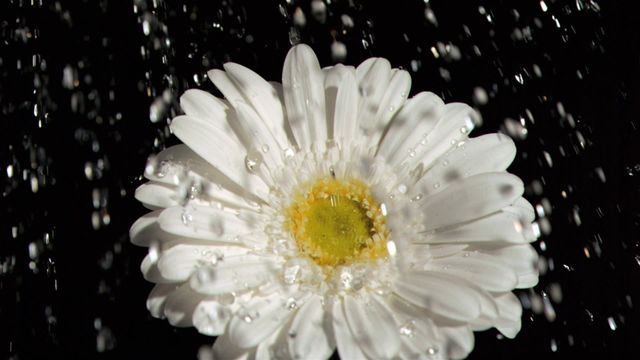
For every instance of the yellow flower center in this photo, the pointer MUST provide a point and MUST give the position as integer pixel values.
(337, 222)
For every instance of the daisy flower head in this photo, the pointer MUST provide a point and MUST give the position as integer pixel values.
(332, 212)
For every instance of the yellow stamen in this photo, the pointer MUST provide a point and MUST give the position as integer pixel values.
(337, 222)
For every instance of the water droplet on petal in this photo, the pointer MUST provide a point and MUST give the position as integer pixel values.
(408, 329)
(186, 217)
(291, 303)
(432, 350)
(291, 272)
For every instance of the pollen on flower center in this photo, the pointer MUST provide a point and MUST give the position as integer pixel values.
(337, 222)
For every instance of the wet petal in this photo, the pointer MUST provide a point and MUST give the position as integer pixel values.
(303, 83)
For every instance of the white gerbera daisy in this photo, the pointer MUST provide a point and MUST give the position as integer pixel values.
(331, 212)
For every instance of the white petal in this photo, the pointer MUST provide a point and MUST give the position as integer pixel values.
(459, 341)
(373, 76)
(347, 344)
(415, 120)
(471, 198)
(498, 227)
(225, 349)
(260, 139)
(287, 128)
(264, 316)
(202, 105)
(146, 230)
(262, 96)
(479, 269)
(176, 161)
(452, 128)
(178, 262)
(396, 93)
(157, 298)
(303, 84)
(220, 150)
(180, 306)
(232, 274)
(208, 223)
(523, 209)
(373, 327)
(509, 322)
(252, 128)
(487, 153)
(345, 123)
(156, 195)
(333, 77)
(151, 272)
(310, 333)
(441, 294)
(418, 332)
(454, 125)
(274, 347)
(434, 251)
(211, 318)
(522, 258)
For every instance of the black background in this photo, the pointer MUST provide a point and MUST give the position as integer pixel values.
(75, 148)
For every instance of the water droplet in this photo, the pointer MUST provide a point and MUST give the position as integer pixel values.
(480, 96)
(432, 350)
(265, 148)
(515, 129)
(391, 248)
(210, 316)
(151, 166)
(217, 226)
(157, 110)
(95, 220)
(204, 275)
(383, 209)
(291, 303)
(299, 19)
(408, 329)
(186, 217)
(161, 171)
(319, 11)
(146, 27)
(248, 315)
(291, 272)
(346, 279)
(253, 160)
(289, 153)
(294, 37)
(154, 251)
(543, 6)
(338, 51)
(402, 189)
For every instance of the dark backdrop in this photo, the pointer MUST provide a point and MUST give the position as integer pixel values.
(87, 88)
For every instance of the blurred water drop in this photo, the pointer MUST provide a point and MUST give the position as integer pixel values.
(338, 51)
(515, 129)
(299, 19)
(480, 96)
